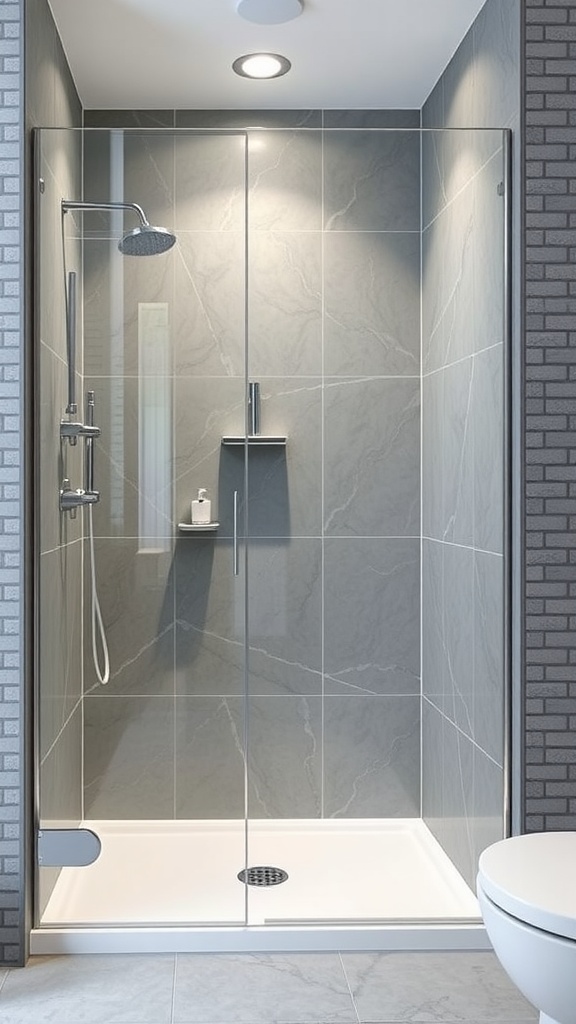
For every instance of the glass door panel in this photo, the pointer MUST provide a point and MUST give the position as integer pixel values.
(153, 758)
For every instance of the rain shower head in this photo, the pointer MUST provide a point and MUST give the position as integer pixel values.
(144, 240)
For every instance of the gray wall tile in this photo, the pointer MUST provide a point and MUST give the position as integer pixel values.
(285, 181)
(371, 118)
(372, 469)
(210, 757)
(284, 757)
(489, 654)
(128, 757)
(372, 624)
(371, 757)
(372, 181)
(372, 289)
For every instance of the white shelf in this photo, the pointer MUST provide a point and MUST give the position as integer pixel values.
(198, 527)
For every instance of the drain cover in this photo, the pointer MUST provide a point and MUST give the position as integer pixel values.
(262, 876)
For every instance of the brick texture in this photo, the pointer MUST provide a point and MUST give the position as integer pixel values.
(550, 415)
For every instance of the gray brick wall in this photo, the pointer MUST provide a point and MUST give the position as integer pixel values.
(550, 415)
(12, 914)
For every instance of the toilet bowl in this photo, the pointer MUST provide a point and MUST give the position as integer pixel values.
(526, 888)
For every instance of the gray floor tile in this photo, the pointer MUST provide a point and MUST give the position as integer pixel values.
(128, 989)
(262, 989)
(433, 987)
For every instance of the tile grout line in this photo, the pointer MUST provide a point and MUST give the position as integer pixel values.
(348, 986)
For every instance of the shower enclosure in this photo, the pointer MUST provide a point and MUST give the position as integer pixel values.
(302, 740)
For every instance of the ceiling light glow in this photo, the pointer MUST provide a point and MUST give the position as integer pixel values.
(261, 65)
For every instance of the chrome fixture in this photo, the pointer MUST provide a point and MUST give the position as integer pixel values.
(71, 430)
(70, 297)
(90, 432)
(253, 409)
(71, 500)
(269, 12)
(261, 65)
(145, 240)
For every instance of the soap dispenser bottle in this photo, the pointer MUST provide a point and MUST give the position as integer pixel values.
(201, 509)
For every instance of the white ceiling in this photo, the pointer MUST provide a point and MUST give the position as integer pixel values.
(164, 54)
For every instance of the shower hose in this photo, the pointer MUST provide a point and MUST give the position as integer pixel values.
(98, 631)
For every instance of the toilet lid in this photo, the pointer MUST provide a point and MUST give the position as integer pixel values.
(533, 877)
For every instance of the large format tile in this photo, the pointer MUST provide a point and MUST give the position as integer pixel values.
(372, 181)
(285, 616)
(458, 634)
(285, 180)
(433, 987)
(262, 989)
(433, 725)
(204, 411)
(150, 173)
(434, 661)
(243, 120)
(136, 594)
(371, 118)
(372, 303)
(210, 182)
(57, 461)
(488, 824)
(371, 615)
(209, 299)
(285, 303)
(129, 757)
(488, 428)
(60, 777)
(284, 757)
(372, 457)
(115, 989)
(285, 484)
(210, 627)
(60, 629)
(458, 466)
(433, 416)
(496, 33)
(489, 667)
(454, 830)
(210, 757)
(371, 757)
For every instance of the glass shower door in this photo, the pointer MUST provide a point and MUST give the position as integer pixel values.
(152, 759)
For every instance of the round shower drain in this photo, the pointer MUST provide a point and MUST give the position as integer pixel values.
(262, 876)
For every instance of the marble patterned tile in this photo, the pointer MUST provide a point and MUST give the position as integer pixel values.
(150, 172)
(262, 988)
(371, 457)
(128, 118)
(488, 449)
(285, 484)
(433, 109)
(284, 757)
(210, 757)
(459, 79)
(371, 118)
(206, 409)
(371, 757)
(458, 633)
(496, 33)
(136, 594)
(434, 660)
(371, 616)
(489, 675)
(128, 757)
(115, 289)
(455, 830)
(118, 989)
(488, 824)
(57, 461)
(285, 180)
(439, 986)
(60, 777)
(248, 119)
(208, 322)
(210, 632)
(60, 632)
(285, 303)
(458, 465)
(489, 273)
(210, 183)
(372, 303)
(285, 616)
(372, 181)
(433, 725)
(433, 417)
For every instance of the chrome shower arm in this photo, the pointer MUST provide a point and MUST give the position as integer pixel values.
(74, 204)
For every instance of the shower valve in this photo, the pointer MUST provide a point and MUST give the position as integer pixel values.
(71, 500)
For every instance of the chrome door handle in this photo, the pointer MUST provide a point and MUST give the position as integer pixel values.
(235, 560)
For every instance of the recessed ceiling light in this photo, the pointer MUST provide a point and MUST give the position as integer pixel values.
(269, 12)
(261, 65)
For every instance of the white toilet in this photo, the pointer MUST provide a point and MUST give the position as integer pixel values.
(527, 892)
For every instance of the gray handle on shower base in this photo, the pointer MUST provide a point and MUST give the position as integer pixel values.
(235, 561)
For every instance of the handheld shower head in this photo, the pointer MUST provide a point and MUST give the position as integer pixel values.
(145, 240)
